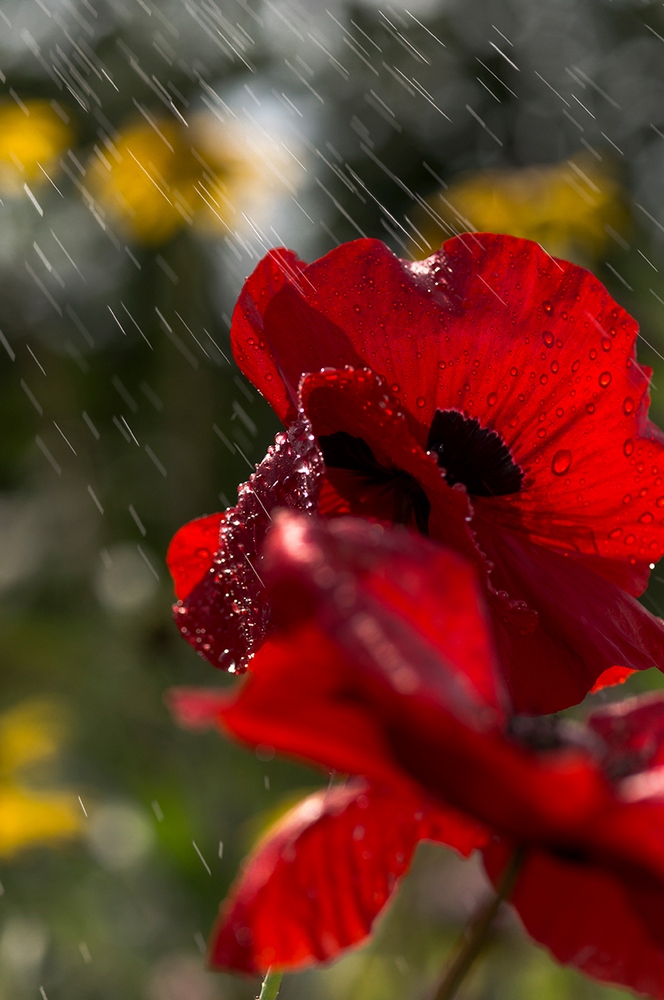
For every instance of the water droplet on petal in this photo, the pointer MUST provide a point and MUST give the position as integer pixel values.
(548, 338)
(547, 307)
(646, 518)
(628, 447)
(561, 462)
(492, 398)
(605, 379)
(421, 401)
(628, 405)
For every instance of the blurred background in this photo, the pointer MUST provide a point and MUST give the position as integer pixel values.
(150, 152)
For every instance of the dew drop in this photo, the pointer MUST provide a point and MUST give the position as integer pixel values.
(660, 501)
(561, 462)
(646, 518)
(606, 343)
(590, 407)
(628, 447)
(547, 307)
(615, 533)
(492, 398)
(555, 367)
(548, 338)
(630, 539)
(628, 405)
(592, 353)
(605, 379)
(421, 401)
(514, 372)
(544, 379)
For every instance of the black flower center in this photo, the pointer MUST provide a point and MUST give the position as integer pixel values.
(467, 453)
(392, 492)
(473, 455)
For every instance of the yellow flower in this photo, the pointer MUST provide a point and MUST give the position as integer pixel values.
(31, 735)
(569, 207)
(31, 143)
(161, 175)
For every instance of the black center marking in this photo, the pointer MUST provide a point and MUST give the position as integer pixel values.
(352, 454)
(473, 455)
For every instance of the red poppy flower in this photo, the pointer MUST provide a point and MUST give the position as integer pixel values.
(489, 397)
(367, 676)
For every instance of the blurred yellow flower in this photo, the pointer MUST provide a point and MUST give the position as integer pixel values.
(161, 175)
(31, 735)
(31, 143)
(569, 208)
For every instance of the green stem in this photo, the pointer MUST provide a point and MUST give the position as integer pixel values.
(271, 985)
(478, 931)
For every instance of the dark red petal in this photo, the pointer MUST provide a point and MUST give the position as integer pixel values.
(226, 616)
(391, 598)
(191, 552)
(586, 624)
(589, 917)
(277, 270)
(318, 881)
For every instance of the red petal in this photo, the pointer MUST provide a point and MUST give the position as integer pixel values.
(276, 270)
(611, 677)
(586, 624)
(359, 305)
(591, 918)
(534, 348)
(390, 596)
(226, 616)
(191, 552)
(319, 880)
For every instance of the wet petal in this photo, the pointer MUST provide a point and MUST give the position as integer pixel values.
(226, 616)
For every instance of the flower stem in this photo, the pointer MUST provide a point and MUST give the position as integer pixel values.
(271, 985)
(477, 933)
